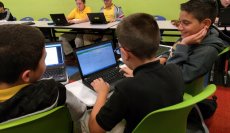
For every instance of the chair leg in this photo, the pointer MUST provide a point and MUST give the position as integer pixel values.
(202, 119)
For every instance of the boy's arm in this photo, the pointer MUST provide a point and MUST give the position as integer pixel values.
(71, 15)
(195, 64)
(102, 89)
(120, 14)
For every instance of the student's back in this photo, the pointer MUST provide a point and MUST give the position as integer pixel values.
(153, 86)
(22, 65)
(39, 96)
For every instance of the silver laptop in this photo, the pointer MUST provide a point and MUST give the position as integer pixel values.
(55, 64)
(98, 60)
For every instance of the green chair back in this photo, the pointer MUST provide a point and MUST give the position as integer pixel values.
(224, 51)
(57, 120)
(172, 119)
(196, 86)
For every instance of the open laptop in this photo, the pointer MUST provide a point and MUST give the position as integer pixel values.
(97, 18)
(98, 60)
(163, 49)
(224, 17)
(55, 64)
(60, 20)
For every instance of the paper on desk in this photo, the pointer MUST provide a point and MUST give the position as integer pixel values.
(82, 92)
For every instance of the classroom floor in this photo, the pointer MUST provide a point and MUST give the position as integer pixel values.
(220, 121)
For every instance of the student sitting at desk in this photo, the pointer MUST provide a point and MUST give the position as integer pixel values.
(153, 86)
(199, 45)
(112, 13)
(197, 49)
(5, 13)
(222, 4)
(22, 65)
(77, 15)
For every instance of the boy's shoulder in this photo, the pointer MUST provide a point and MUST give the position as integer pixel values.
(44, 86)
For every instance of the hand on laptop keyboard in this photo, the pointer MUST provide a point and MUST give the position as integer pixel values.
(100, 86)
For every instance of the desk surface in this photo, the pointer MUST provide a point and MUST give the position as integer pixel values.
(82, 92)
(44, 24)
(164, 25)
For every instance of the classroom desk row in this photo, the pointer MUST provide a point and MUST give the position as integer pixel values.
(163, 25)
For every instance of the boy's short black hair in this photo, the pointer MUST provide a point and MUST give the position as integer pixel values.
(139, 34)
(21, 48)
(1, 4)
(201, 9)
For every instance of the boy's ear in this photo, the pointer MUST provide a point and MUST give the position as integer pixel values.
(207, 22)
(125, 53)
(26, 76)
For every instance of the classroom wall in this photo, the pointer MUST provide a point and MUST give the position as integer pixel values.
(42, 8)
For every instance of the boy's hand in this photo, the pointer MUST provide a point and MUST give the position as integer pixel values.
(127, 71)
(162, 60)
(73, 21)
(100, 86)
(195, 38)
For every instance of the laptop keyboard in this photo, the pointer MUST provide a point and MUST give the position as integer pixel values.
(110, 76)
(57, 74)
(162, 50)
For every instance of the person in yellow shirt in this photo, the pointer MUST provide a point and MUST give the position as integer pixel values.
(111, 11)
(77, 15)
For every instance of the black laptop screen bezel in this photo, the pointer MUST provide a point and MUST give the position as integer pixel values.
(90, 46)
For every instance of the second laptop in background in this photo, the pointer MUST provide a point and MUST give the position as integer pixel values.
(59, 19)
(97, 18)
(55, 63)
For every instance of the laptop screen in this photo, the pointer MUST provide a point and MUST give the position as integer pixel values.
(96, 57)
(54, 54)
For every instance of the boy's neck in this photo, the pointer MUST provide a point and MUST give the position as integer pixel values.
(139, 62)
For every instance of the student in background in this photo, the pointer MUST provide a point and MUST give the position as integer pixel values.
(138, 45)
(77, 15)
(197, 49)
(112, 13)
(222, 4)
(5, 13)
(22, 65)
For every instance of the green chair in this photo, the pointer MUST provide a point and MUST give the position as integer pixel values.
(172, 119)
(196, 86)
(57, 120)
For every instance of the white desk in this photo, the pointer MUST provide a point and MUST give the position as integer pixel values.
(85, 25)
(82, 92)
(163, 25)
